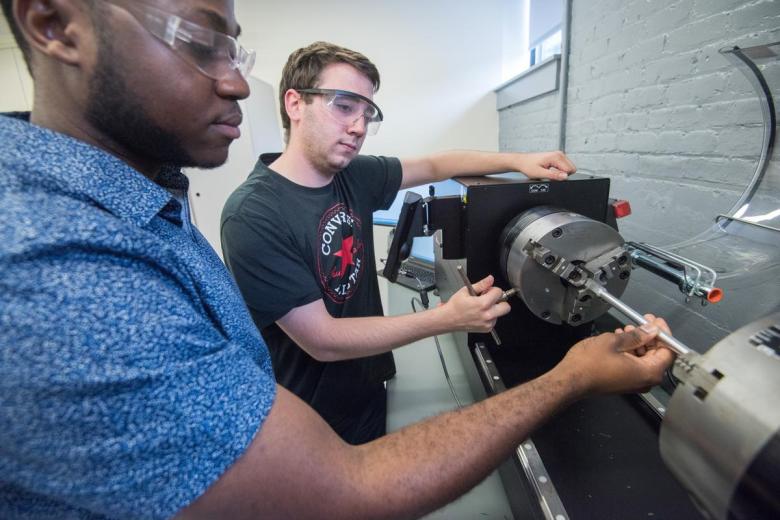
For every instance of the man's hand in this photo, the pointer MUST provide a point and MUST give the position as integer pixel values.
(446, 165)
(545, 165)
(476, 313)
(629, 360)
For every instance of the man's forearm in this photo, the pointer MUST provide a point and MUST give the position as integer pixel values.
(441, 166)
(424, 466)
(463, 162)
(297, 467)
(349, 338)
(333, 339)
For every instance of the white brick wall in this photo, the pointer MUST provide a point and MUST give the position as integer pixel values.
(653, 105)
(650, 99)
(530, 126)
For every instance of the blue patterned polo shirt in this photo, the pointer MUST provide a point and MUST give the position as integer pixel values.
(131, 374)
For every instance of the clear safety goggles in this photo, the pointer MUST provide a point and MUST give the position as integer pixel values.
(213, 53)
(347, 107)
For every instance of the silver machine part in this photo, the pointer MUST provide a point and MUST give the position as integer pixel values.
(721, 432)
(695, 280)
(584, 242)
(558, 271)
(709, 441)
(674, 344)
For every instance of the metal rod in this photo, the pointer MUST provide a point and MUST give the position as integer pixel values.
(507, 294)
(602, 293)
(745, 221)
(472, 292)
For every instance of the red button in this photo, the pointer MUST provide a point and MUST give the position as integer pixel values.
(622, 208)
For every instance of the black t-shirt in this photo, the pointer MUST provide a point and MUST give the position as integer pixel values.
(288, 245)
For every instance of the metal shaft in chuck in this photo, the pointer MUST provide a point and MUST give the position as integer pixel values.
(602, 293)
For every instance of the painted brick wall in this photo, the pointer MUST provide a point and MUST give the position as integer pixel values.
(653, 105)
(530, 126)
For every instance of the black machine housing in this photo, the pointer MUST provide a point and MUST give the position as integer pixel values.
(601, 454)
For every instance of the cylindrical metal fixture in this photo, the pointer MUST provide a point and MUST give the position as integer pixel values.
(724, 445)
(582, 241)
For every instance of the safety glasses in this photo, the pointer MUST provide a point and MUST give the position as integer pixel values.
(347, 107)
(213, 53)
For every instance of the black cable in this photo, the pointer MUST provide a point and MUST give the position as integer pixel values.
(424, 303)
(420, 287)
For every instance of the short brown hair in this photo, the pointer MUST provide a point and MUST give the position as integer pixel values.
(304, 66)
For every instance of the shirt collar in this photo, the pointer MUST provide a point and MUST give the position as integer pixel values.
(59, 162)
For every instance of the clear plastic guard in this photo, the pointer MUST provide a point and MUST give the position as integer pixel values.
(743, 246)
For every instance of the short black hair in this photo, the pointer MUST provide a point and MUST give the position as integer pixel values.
(20, 41)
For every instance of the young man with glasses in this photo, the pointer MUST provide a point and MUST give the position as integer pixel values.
(297, 236)
(133, 383)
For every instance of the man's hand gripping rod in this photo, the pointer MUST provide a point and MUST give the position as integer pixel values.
(472, 292)
(693, 373)
(599, 291)
(582, 278)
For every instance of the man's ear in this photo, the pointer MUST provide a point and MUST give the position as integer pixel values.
(55, 28)
(293, 103)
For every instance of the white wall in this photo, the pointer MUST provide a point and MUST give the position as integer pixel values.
(15, 82)
(439, 61)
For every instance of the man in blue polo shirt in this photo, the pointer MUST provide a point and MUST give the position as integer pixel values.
(132, 374)
(133, 383)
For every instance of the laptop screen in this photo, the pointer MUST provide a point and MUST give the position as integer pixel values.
(422, 249)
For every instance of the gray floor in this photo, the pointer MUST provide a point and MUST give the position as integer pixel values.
(420, 390)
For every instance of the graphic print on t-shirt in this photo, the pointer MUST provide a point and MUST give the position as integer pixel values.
(340, 257)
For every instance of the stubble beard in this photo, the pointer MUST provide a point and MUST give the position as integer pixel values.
(115, 110)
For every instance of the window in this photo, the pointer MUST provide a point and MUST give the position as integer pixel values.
(547, 47)
(531, 34)
(544, 29)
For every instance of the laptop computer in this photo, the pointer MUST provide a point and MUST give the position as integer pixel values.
(417, 271)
